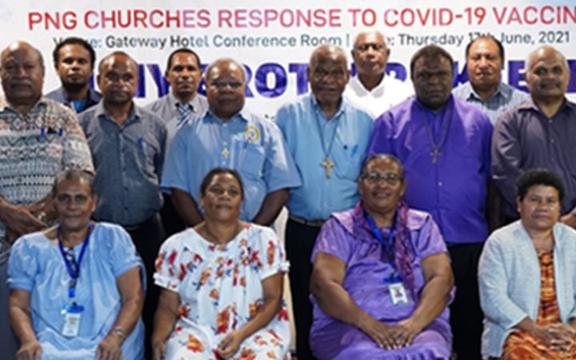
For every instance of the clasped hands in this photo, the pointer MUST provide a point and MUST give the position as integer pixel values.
(393, 336)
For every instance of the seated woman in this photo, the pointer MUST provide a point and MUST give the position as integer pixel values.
(75, 288)
(222, 284)
(382, 278)
(527, 277)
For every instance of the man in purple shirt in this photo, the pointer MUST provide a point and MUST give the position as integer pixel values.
(539, 133)
(444, 144)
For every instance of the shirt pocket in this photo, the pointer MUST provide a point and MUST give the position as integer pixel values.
(252, 163)
(347, 159)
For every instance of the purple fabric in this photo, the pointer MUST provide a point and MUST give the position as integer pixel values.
(347, 237)
(454, 189)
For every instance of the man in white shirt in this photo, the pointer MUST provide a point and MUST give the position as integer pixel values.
(371, 90)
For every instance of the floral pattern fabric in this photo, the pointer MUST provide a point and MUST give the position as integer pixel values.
(220, 289)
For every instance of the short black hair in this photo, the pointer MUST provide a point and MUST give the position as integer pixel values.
(219, 171)
(431, 51)
(182, 50)
(74, 41)
(76, 175)
(536, 177)
(116, 53)
(373, 157)
(486, 37)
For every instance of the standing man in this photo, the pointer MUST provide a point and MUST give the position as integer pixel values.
(371, 89)
(39, 138)
(74, 60)
(328, 138)
(128, 145)
(539, 133)
(485, 89)
(183, 73)
(444, 145)
(228, 135)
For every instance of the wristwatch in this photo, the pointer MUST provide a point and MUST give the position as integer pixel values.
(118, 331)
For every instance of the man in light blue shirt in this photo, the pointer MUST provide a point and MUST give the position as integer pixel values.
(328, 139)
(232, 137)
(485, 89)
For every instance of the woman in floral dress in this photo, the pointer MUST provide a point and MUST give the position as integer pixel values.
(221, 284)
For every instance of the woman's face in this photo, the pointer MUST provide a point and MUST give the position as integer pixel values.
(223, 198)
(74, 204)
(382, 186)
(540, 208)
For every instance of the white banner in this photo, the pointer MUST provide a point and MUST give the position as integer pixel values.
(274, 39)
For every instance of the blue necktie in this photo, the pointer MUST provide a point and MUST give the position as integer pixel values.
(184, 112)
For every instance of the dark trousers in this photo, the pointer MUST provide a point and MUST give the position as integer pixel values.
(170, 218)
(465, 313)
(147, 238)
(300, 241)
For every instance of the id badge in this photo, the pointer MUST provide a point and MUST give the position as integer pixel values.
(72, 317)
(398, 293)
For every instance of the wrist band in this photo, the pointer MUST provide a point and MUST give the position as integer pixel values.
(118, 331)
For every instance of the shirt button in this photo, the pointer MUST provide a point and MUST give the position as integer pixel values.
(440, 183)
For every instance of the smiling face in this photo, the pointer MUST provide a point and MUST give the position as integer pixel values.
(381, 186)
(222, 198)
(540, 208)
(328, 75)
(74, 204)
(547, 75)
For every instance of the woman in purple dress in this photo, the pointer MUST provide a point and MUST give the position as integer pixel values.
(382, 278)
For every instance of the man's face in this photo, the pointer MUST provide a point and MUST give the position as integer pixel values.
(22, 74)
(548, 75)
(74, 67)
(225, 84)
(183, 75)
(118, 80)
(370, 54)
(484, 65)
(432, 79)
(328, 76)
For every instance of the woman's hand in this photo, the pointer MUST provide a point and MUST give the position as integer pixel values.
(404, 332)
(30, 350)
(109, 348)
(158, 348)
(382, 334)
(563, 336)
(230, 344)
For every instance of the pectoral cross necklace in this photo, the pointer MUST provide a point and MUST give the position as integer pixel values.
(327, 163)
(437, 145)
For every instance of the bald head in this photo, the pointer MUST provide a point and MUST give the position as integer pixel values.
(22, 74)
(547, 75)
(328, 75)
(225, 84)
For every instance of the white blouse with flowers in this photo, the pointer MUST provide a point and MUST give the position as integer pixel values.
(220, 289)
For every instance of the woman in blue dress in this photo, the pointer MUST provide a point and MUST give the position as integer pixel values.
(75, 288)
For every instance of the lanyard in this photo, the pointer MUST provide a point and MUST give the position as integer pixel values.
(73, 267)
(387, 244)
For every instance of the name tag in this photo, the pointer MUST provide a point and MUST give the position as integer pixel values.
(398, 293)
(72, 317)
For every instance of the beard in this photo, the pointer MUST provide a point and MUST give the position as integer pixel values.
(73, 87)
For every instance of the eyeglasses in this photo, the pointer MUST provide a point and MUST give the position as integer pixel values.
(375, 177)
